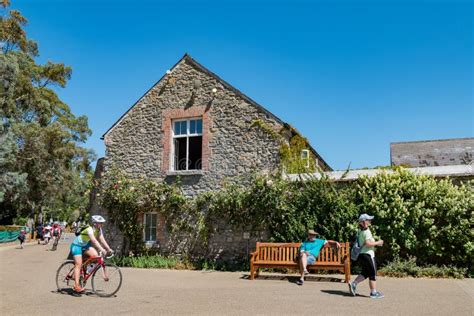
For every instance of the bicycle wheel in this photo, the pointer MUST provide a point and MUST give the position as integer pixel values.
(65, 276)
(108, 288)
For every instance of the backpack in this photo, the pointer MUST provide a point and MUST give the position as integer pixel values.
(356, 248)
(80, 229)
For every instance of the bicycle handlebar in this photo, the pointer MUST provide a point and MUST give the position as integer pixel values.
(101, 254)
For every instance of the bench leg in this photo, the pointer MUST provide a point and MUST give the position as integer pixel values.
(252, 271)
(347, 270)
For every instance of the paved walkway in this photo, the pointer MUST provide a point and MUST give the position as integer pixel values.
(27, 287)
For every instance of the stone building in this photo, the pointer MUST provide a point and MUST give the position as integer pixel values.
(433, 153)
(194, 125)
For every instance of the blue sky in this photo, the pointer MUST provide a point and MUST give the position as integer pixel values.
(352, 76)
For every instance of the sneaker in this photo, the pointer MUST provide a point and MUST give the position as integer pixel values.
(306, 272)
(376, 295)
(300, 282)
(353, 288)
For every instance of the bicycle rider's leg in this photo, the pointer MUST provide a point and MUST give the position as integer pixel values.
(77, 270)
(76, 251)
(91, 252)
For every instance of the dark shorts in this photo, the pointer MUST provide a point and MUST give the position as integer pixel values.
(369, 266)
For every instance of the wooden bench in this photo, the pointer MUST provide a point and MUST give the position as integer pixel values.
(284, 255)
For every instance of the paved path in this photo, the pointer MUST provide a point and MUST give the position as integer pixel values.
(27, 287)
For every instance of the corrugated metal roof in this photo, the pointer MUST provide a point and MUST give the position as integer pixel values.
(351, 175)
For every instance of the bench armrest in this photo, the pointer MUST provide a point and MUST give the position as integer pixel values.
(253, 255)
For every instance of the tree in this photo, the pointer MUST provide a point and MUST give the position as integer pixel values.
(42, 131)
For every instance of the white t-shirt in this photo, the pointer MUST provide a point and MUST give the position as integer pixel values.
(47, 231)
(363, 236)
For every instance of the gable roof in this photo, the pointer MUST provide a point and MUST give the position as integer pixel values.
(187, 58)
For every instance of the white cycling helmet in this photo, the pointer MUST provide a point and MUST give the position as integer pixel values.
(97, 219)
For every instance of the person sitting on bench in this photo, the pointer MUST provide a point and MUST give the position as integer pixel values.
(309, 251)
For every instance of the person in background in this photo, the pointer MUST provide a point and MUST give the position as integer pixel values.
(39, 232)
(47, 233)
(367, 257)
(22, 237)
(56, 232)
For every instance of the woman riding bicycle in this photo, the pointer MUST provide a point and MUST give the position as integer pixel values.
(82, 244)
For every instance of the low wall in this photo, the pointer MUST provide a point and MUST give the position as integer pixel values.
(10, 233)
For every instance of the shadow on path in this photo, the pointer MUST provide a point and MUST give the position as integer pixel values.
(71, 292)
(294, 279)
(341, 293)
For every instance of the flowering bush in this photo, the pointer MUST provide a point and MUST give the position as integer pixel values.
(419, 216)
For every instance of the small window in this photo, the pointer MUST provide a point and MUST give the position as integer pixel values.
(305, 157)
(150, 227)
(187, 144)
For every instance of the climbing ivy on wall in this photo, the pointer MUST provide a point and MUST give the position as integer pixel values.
(126, 199)
(290, 150)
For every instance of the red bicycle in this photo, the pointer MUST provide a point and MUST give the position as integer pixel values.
(106, 278)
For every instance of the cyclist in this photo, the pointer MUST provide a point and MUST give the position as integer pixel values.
(82, 244)
(56, 233)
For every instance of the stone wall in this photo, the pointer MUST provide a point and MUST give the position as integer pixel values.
(139, 143)
(112, 234)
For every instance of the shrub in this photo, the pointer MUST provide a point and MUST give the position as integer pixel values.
(419, 216)
(151, 262)
(404, 268)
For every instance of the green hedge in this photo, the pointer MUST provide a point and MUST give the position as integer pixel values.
(417, 216)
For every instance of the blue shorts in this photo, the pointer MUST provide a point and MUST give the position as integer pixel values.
(77, 250)
(311, 259)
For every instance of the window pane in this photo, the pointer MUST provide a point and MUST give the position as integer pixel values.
(176, 128)
(147, 234)
(195, 153)
(199, 126)
(153, 220)
(150, 226)
(180, 162)
(192, 128)
(184, 129)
